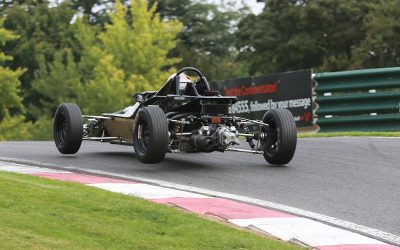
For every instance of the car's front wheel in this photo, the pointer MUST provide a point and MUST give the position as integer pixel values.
(150, 135)
(279, 137)
(68, 128)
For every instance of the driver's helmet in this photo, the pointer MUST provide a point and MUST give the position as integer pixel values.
(183, 80)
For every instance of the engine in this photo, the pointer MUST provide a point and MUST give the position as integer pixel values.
(204, 138)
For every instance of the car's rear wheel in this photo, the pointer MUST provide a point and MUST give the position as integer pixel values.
(280, 136)
(68, 128)
(150, 135)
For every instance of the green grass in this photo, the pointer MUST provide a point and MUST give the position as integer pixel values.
(336, 134)
(36, 213)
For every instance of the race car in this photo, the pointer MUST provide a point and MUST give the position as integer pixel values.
(185, 115)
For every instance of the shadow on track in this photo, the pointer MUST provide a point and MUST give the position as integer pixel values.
(168, 164)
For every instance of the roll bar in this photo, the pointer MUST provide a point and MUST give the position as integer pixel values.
(202, 78)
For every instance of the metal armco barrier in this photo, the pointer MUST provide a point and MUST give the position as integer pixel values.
(358, 100)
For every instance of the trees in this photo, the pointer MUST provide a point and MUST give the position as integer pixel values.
(56, 82)
(11, 108)
(290, 35)
(43, 32)
(93, 10)
(9, 83)
(207, 40)
(129, 55)
(380, 46)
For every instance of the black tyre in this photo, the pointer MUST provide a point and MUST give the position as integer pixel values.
(68, 128)
(280, 137)
(150, 135)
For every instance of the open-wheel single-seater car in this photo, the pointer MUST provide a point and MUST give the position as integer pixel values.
(183, 116)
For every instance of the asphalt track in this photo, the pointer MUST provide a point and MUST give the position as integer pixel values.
(353, 179)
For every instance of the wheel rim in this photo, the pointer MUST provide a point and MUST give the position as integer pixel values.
(61, 129)
(272, 140)
(143, 136)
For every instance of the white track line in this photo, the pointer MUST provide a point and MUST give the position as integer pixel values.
(22, 169)
(310, 232)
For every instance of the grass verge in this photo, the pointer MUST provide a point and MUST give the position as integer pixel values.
(38, 213)
(337, 134)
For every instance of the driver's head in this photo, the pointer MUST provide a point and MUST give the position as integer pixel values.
(183, 80)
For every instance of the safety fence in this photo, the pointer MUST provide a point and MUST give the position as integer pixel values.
(358, 100)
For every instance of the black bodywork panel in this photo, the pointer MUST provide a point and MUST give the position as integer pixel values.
(196, 97)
